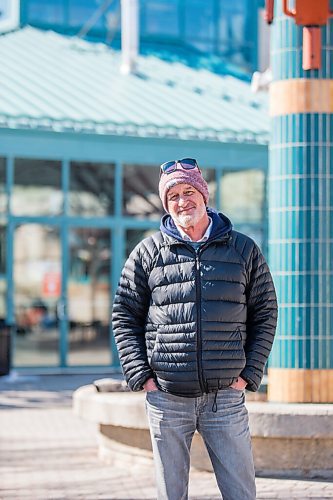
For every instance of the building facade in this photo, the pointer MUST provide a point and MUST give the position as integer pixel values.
(223, 31)
(80, 146)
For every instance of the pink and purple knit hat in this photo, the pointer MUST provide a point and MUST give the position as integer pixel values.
(181, 176)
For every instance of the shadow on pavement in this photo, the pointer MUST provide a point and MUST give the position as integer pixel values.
(43, 391)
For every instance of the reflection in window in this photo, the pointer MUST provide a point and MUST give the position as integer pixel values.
(161, 17)
(223, 27)
(2, 250)
(81, 11)
(90, 255)
(242, 196)
(3, 281)
(46, 11)
(209, 176)
(37, 286)
(235, 31)
(3, 288)
(199, 20)
(91, 189)
(89, 296)
(204, 45)
(140, 187)
(3, 196)
(37, 187)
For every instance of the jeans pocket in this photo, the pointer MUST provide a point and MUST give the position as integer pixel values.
(237, 390)
(151, 394)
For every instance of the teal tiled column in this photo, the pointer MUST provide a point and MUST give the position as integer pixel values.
(301, 217)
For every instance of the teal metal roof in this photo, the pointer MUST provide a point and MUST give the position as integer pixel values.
(53, 82)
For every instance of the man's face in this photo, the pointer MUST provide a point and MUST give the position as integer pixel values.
(186, 205)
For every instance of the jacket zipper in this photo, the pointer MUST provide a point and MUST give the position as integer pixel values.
(199, 340)
(198, 297)
(198, 305)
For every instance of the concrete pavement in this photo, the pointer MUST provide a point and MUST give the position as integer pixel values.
(46, 452)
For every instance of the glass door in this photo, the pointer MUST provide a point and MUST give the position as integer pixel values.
(58, 269)
(37, 291)
(247, 209)
(61, 320)
(89, 296)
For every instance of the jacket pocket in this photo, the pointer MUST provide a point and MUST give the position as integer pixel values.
(239, 345)
(156, 349)
(238, 334)
(153, 353)
(162, 353)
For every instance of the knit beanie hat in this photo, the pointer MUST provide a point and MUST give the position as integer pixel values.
(181, 176)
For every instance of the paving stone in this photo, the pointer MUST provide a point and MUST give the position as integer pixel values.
(47, 453)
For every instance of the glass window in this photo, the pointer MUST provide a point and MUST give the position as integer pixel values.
(209, 176)
(81, 11)
(236, 32)
(232, 20)
(2, 249)
(91, 189)
(89, 294)
(112, 19)
(37, 287)
(242, 196)
(161, 17)
(199, 20)
(3, 196)
(46, 11)
(140, 188)
(37, 187)
(3, 288)
(3, 281)
(202, 45)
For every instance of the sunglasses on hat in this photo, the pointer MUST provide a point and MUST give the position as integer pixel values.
(171, 166)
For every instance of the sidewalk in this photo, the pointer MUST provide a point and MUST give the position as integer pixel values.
(49, 453)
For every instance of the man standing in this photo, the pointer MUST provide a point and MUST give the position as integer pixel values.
(194, 320)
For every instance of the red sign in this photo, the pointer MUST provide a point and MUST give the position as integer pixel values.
(51, 284)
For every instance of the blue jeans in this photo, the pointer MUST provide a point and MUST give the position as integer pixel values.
(173, 421)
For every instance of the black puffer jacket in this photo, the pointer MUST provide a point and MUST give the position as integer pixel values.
(195, 321)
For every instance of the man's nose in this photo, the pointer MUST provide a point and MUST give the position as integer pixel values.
(182, 200)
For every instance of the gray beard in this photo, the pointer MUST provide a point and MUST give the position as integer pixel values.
(185, 220)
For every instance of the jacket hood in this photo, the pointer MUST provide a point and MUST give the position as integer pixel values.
(221, 225)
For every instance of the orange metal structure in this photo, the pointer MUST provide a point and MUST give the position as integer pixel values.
(311, 14)
(311, 47)
(269, 11)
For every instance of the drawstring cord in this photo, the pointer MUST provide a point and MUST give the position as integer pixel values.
(214, 407)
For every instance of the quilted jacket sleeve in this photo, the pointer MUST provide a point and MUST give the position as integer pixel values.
(128, 320)
(261, 319)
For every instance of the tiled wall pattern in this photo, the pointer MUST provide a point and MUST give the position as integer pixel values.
(286, 48)
(301, 211)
